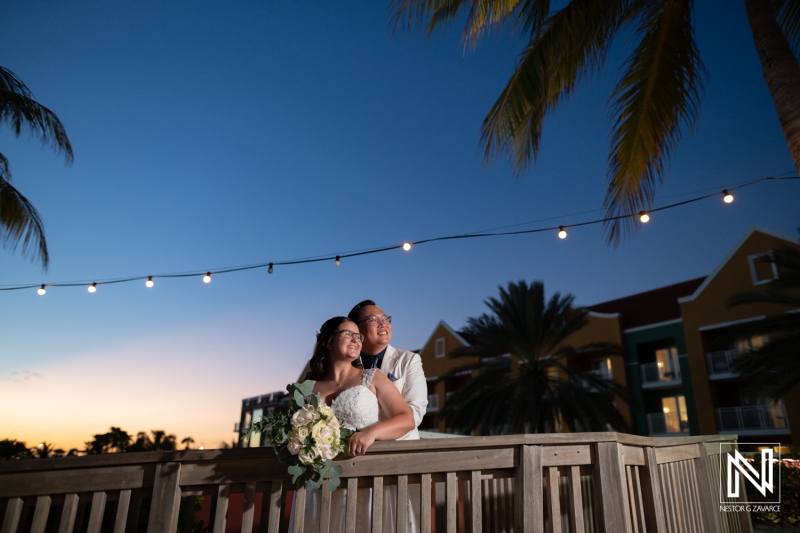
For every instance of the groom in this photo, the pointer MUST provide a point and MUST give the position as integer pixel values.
(404, 368)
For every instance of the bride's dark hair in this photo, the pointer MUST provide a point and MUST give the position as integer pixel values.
(319, 357)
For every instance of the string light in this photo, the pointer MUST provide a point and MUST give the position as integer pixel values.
(92, 288)
(727, 197)
(207, 278)
(644, 217)
(562, 234)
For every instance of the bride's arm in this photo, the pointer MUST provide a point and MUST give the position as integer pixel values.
(398, 422)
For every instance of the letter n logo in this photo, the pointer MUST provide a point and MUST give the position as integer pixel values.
(737, 466)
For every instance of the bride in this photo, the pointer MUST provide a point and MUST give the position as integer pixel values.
(357, 396)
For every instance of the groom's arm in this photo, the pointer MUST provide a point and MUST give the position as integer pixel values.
(415, 388)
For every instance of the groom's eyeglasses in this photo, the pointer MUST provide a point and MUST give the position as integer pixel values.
(373, 320)
(351, 335)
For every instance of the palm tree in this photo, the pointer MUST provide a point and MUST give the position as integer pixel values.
(657, 98)
(11, 449)
(19, 220)
(774, 366)
(523, 381)
(187, 443)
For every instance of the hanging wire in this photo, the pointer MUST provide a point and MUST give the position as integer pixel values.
(405, 245)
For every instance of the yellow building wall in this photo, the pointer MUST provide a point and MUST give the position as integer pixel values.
(710, 307)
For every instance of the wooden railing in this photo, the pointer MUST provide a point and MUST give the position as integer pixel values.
(578, 482)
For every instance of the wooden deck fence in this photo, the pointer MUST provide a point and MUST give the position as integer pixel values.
(577, 482)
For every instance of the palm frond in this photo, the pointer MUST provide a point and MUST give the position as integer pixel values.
(19, 220)
(788, 15)
(20, 110)
(571, 43)
(657, 98)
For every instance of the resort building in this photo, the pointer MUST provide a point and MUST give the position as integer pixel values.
(680, 342)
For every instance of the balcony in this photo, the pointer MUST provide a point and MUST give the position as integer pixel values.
(720, 364)
(667, 424)
(657, 376)
(769, 419)
(576, 482)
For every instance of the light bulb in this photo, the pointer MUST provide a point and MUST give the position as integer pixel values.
(92, 288)
(406, 246)
(562, 233)
(41, 290)
(644, 217)
(666, 410)
(207, 278)
(269, 270)
(149, 282)
(727, 197)
(337, 262)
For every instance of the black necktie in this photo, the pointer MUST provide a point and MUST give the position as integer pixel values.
(370, 361)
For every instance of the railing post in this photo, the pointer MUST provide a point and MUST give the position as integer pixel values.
(166, 499)
(529, 493)
(651, 493)
(613, 491)
(708, 506)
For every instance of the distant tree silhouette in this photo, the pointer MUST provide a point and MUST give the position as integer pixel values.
(115, 441)
(11, 449)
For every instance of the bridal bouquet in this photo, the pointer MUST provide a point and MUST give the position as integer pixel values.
(307, 436)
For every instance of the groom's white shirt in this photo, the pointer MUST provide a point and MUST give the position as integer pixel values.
(407, 368)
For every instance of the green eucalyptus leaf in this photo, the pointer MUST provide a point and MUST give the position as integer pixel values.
(299, 399)
(306, 387)
(333, 483)
(296, 471)
(313, 484)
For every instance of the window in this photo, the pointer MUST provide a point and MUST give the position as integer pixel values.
(255, 438)
(675, 416)
(602, 367)
(433, 403)
(762, 269)
(750, 343)
(667, 363)
(440, 347)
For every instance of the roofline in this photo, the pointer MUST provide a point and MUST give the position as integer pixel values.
(446, 326)
(597, 314)
(721, 265)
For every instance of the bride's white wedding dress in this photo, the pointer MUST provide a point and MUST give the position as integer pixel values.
(356, 408)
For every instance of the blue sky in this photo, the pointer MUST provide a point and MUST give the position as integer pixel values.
(211, 135)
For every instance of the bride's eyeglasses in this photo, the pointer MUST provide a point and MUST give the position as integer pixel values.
(351, 335)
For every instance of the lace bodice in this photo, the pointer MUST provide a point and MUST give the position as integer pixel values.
(357, 407)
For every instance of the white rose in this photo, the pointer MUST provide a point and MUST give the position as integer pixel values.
(325, 452)
(295, 446)
(333, 423)
(326, 411)
(303, 416)
(325, 436)
(306, 458)
(300, 433)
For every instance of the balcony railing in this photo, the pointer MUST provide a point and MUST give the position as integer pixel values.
(752, 418)
(578, 482)
(667, 424)
(657, 375)
(720, 364)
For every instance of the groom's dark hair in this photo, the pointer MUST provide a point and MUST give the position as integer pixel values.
(355, 312)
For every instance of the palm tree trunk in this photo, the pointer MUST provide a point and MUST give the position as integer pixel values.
(780, 68)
